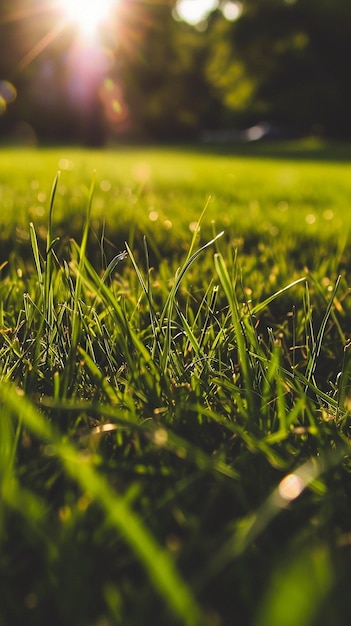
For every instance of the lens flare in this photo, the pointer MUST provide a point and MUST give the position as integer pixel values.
(115, 107)
(87, 14)
(7, 95)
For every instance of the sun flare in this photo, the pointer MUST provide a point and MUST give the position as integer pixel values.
(87, 14)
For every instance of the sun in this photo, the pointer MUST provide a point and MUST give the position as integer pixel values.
(87, 14)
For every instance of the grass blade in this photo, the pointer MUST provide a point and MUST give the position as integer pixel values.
(243, 353)
(156, 561)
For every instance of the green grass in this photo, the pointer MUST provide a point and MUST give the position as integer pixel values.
(161, 192)
(174, 420)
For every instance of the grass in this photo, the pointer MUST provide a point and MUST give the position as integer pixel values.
(161, 193)
(174, 415)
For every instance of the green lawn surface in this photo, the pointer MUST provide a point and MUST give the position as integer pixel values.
(175, 419)
(269, 190)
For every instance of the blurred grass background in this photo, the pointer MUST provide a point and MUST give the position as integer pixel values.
(293, 192)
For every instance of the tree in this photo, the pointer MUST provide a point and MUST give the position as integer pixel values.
(163, 75)
(285, 61)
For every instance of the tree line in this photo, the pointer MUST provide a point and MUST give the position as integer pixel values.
(285, 63)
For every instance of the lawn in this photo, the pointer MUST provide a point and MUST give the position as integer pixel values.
(162, 192)
(175, 387)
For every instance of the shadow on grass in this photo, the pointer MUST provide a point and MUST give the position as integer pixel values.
(298, 150)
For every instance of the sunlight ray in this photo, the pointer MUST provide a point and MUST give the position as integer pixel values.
(41, 45)
(17, 16)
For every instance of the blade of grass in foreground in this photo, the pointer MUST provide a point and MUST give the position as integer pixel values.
(316, 348)
(76, 317)
(313, 568)
(156, 561)
(243, 353)
(250, 527)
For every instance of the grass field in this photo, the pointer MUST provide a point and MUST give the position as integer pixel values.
(175, 386)
(162, 192)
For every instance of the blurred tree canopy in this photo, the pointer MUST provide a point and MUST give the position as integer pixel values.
(285, 61)
(149, 75)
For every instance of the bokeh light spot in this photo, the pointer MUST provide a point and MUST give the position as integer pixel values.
(111, 95)
(8, 94)
(161, 437)
(232, 10)
(283, 206)
(105, 185)
(117, 107)
(65, 164)
(291, 487)
(328, 215)
(193, 11)
(142, 172)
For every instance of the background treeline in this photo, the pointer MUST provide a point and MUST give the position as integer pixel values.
(283, 62)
